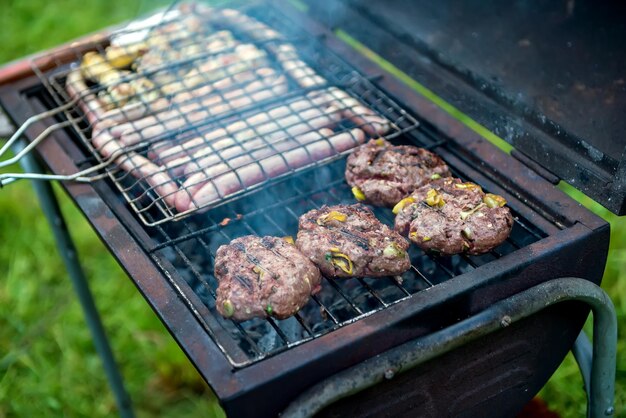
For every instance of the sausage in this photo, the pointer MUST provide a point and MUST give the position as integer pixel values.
(135, 116)
(78, 90)
(129, 161)
(208, 107)
(247, 171)
(215, 45)
(229, 147)
(138, 116)
(234, 19)
(118, 119)
(353, 109)
(237, 154)
(361, 115)
(138, 166)
(189, 49)
(249, 167)
(311, 107)
(213, 68)
(304, 75)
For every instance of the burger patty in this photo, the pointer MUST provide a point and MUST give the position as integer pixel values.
(348, 241)
(451, 217)
(382, 174)
(261, 277)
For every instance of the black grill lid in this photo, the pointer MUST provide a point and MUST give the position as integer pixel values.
(547, 76)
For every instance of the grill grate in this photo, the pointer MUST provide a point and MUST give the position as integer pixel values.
(185, 250)
(196, 145)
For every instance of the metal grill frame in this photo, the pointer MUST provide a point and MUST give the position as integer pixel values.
(570, 229)
(362, 296)
(143, 197)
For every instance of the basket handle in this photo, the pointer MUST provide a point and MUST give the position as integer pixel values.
(81, 176)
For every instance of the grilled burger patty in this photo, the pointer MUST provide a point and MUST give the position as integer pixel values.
(348, 241)
(450, 217)
(382, 174)
(261, 277)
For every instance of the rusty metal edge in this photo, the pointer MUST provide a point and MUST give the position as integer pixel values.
(21, 68)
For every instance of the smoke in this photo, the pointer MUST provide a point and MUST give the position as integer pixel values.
(272, 207)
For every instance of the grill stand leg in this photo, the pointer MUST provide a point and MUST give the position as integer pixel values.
(583, 353)
(498, 316)
(67, 249)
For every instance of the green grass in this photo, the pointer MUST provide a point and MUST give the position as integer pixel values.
(563, 391)
(48, 366)
(47, 363)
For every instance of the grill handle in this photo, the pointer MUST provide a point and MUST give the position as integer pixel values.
(498, 316)
(22, 150)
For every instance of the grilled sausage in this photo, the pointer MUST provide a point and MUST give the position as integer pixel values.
(88, 102)
(251, 172)
(304, 75)
(246, 160)
(196, 83)
(254, 29)
(311, 107)
(362, 116)
(270, 133)
(228, 148)
(138, 166)
(300, 71)
(208, 107)
(136, 116)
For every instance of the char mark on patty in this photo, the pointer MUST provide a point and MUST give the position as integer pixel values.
(348, 241)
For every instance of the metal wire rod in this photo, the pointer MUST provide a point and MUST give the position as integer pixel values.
(20, 131)
(583, 353)
(499, 315)
(24, 150)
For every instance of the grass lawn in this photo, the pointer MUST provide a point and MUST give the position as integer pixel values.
(48, 366)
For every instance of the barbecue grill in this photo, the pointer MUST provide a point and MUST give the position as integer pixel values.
(357, 332)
